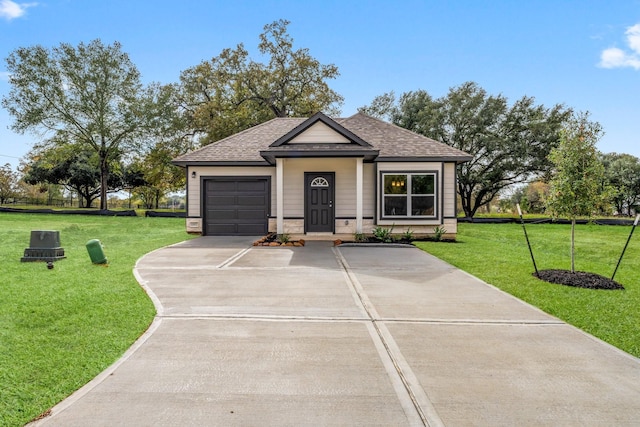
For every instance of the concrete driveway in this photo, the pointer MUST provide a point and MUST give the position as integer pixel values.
(347, 336)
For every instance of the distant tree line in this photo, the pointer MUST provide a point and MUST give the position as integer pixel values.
(511, 145)
(621, 177)
(102, 131)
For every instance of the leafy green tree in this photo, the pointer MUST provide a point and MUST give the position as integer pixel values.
(535, 196)
(72, 166)
(622, 174)
(89, 95)
(232, 92)
(576, 186)
(509, 143)
(158, 176)
(8, 183)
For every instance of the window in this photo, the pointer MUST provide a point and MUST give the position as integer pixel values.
(409, 195)
(319, 182)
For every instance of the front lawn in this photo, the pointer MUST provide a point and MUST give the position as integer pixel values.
(498, 254)
(59, 328)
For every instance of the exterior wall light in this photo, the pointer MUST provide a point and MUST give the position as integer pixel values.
(193, 174)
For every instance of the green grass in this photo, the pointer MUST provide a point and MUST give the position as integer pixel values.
(59, 328)
(498, 254)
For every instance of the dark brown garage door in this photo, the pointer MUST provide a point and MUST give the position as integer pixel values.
(236, 206)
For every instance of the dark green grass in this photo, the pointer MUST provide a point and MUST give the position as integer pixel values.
(59, 328)
(498, 254)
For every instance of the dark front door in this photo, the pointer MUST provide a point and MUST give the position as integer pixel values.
(319, 194)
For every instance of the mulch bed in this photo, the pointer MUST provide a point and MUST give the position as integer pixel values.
(579, 279)
(271, 239)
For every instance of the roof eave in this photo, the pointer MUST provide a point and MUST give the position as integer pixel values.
(457, 159)
(185, 163)
(271, 155)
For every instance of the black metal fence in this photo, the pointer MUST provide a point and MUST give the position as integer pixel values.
(603, 221)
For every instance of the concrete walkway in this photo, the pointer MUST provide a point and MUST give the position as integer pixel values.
(347, 336)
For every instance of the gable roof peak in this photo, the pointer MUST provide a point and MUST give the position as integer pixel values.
(328, 121)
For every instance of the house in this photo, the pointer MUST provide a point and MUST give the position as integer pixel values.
(321, 177)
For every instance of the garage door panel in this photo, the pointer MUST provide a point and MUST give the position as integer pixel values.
(222, 214)
(236, 205)
(222, 186)
(221, 201)
(251, 201)
(248, 186)
(249, 214)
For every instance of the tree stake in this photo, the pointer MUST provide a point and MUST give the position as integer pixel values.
(635, 223)
(527, 237)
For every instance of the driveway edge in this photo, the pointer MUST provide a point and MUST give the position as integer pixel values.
(82, 391)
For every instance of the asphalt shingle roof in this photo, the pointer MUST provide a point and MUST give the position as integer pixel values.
(390, 141)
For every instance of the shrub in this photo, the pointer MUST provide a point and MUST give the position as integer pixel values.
(407, 235)
(284, 238)
(438, 232)
(383, 234)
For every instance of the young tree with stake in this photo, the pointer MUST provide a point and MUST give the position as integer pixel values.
(576, 187)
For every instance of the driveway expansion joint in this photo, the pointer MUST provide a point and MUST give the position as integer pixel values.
(398, 369)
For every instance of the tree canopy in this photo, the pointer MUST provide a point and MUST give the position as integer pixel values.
(232, 92)
(509, 143)
(76, 167)
(8, 183)
(622, 174)
(576, 186)
(88, 95)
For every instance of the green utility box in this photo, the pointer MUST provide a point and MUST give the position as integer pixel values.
(94, 247)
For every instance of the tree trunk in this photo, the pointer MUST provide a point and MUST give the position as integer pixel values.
(573, 246)
(104, 179)
(465, 200)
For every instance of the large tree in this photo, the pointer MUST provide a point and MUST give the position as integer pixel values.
(76, 167)
(509, 143)
(622, 173)
(531, 197)
(156, 175)
(576, 187)
(88, 94)
(8, 183)
(232, 92)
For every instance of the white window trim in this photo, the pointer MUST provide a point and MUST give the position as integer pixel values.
(408, 195)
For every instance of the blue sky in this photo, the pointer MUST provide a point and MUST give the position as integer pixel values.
(584, 54)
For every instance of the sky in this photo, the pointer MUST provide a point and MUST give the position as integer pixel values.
(584, 54)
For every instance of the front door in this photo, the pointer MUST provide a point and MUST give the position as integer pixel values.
(319, 195)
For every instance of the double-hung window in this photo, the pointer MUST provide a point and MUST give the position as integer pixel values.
(409, 195)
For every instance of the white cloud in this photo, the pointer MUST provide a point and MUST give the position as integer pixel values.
(11, 10)
(618, 58)
(633, 38)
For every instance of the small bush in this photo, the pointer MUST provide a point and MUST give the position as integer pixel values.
(383, 234)
(407, 235)
(284, 238)
(358, 237)
(438, 232)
